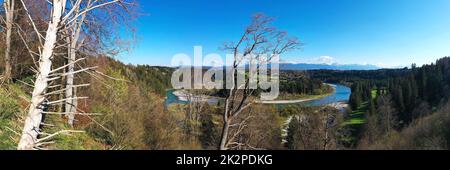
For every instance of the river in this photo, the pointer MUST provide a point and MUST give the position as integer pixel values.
(341, 95)
(172, 99)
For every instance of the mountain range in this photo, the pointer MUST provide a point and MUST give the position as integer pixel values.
(306, 66)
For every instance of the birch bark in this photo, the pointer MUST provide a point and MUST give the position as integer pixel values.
(31, 129)
(9, 12)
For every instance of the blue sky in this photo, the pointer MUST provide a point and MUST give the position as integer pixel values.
(380, 32)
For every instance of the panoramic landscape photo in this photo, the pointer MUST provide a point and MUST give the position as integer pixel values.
(224, 75)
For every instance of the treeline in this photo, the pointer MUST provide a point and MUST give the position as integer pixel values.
(297, 82)
(425, 86)
(398, 106)
(149, 78)
(428, 85)
(361, 92)
(351, 76)
(304, 86)
(154, 78)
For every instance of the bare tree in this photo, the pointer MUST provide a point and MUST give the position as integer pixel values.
(73, 43)
(32, 124)
(314, 130)
(85, 35)
(9, 6)
(64, 16)
(197, 100)
(258, 40)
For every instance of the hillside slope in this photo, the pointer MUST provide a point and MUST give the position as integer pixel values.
(128, 98)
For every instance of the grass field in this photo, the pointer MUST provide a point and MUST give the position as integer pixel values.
(357, 116)
(356, 120)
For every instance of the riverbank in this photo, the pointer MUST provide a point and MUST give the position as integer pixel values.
(288, 101)
(301, 100)
(337, 99)
(185, 96)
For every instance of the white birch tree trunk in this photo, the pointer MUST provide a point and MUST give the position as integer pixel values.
(31, 129)
(9, 12)
(73, 46)
(70, 104)
(224, 137)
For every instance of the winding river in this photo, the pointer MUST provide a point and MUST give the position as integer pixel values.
(341, 95)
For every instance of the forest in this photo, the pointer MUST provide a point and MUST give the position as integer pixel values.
(397, 103)
(62, 88)
(297, 82)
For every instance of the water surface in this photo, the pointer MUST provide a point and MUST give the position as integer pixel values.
(342, 94)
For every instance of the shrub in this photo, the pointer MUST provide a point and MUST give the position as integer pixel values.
(8, 106)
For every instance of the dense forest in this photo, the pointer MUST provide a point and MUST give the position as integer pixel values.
(298, 82)
(425, 86)
(397, 100)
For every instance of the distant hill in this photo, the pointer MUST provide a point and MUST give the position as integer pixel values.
(305, 66)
